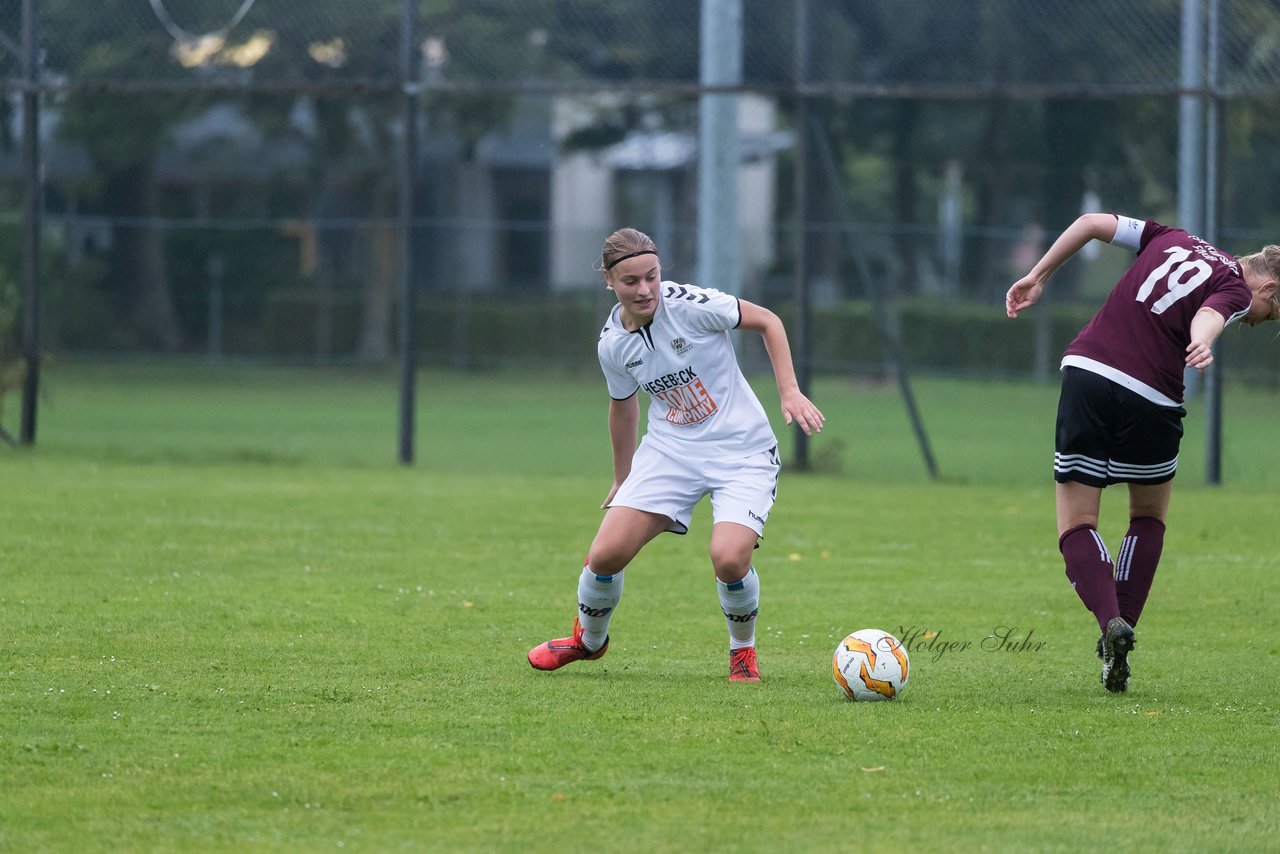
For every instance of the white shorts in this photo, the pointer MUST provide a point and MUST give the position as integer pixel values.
(742, 490)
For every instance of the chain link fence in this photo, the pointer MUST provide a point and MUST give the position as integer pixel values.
(225, 177)
(880, 48)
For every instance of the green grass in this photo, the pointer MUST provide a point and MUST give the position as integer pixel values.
(230, 621)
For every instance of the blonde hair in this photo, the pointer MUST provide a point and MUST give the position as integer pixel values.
(624, 242)
(1265, 262)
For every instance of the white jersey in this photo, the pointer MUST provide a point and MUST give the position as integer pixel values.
(701, 404)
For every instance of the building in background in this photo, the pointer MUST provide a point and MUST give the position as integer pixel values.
(648, 180)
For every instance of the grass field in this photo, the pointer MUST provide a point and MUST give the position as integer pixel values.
(230, 621)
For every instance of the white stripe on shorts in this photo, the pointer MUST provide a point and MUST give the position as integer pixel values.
(1126, 470)
(1080, 463)
(1111, 469)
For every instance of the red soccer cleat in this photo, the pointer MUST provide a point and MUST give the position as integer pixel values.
(555, 654)
(742, 665)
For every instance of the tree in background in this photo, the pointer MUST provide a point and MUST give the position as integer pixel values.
(123, 136)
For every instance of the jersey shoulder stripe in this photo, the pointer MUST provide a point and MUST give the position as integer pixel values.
(1236, 316)
(689, 293)
(709, 309)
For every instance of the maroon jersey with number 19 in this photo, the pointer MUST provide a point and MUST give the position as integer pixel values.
(1140, 335)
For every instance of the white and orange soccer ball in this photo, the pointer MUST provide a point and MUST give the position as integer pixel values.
(871, 665)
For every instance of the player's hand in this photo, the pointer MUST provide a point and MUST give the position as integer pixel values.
(799, 409)
(1199, 355)
(1024, 294)
(613, 490)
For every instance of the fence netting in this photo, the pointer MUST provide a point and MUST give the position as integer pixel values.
(222, 177)
(939, 46)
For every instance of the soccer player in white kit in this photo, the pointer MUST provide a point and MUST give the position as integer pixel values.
(706, 434)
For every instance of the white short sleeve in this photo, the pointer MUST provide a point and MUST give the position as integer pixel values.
(1129, 233)
(717, 312)
(621, 384)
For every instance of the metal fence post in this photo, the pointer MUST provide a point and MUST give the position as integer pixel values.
(407, 178)
(32, 211)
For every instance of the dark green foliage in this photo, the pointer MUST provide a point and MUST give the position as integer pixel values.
(954, 338)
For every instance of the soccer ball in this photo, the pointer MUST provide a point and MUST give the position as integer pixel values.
(870, 665)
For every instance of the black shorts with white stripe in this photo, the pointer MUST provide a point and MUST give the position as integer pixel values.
(1108, 434)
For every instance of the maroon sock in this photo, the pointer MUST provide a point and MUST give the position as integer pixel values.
(1136, 566)
(1090, 571)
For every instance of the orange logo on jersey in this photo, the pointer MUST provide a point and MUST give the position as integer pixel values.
(687, 404)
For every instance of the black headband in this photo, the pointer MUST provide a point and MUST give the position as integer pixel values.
(620, 258)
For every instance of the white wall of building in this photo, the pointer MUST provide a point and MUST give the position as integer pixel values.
(757, 191)
(581, 201)
(583, 209)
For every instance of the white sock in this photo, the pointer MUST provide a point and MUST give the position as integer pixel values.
(740, 601)
(598, 595)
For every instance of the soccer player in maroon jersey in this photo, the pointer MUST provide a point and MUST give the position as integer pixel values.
(1120, 412)
(706, 434)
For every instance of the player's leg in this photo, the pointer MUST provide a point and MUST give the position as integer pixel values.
(1082, 454)
(738, 587)
(658, 496)
(732, 545)
(1146, 457)
(742, 495)
(623, 532)
(1135, 569)
(1152, 457)
(1091, 413)
(1088, 562)
(1143, 544)
(1090, 568)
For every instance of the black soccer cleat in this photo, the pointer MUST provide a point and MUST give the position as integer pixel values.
(1114, 647)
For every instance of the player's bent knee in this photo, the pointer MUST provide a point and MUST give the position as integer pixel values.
(607, 561)
(731, 567)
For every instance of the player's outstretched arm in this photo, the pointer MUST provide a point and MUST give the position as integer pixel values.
(795, 406)
(624, 428)
(1026, 291)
